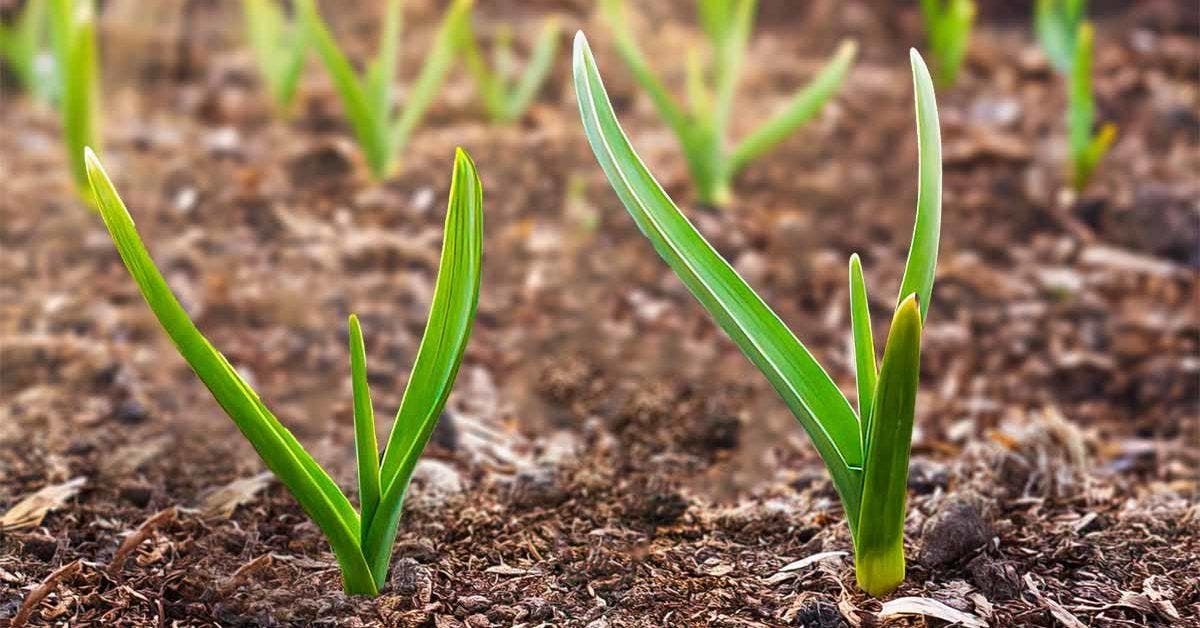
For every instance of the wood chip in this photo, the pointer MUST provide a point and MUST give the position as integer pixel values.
(223, 501)
(1063, 616)
(136, 538)
(29, 512)
(928, 607)
(45, 588)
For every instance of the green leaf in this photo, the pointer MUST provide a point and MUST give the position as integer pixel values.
(948, 23)
(864, 345)
(365, 446)
(433, 72)
(1056, 23)
(614, 13)
(537, 70)
(808, 391)
(79, 109)
(922, 252)
(879, 541)
(279, 49)
(1086, 150)
(382, 71)
(279, 449)
(359, 109)
(451, 314)
(799, 110)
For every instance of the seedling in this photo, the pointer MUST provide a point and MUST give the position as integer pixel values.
(23, 46)
(368, 101)
(948, 27)
(702, 127)
(279, 49)
(1087, 149)
(866, 452)
(361, 540)
(66, 76)
(505, 95)
(1056, 23)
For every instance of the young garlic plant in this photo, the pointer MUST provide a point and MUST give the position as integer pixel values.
(361, 540)
(1087, 148)
(505, 94)
(368, 101)
(866, 452)
(948, 26)
(1056, 23)
(702, 127)
(279, 49)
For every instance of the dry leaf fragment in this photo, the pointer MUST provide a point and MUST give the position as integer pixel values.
(928, 607)
(1060, 613)
(223, 501)
(29, 512)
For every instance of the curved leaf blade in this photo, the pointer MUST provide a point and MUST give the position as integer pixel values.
(451, 315)
(865, 370)
(366, 448)
(922, 252)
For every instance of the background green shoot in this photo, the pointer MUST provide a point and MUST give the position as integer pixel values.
(505, 93)
(279, 45)
(702, 127)
(382, 133)
(948, 28)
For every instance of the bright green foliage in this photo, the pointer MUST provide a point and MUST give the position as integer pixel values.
(1087, 149)
(382, 133)
(73, 35)
(279, 48)
(866, 452)
(1056, 23)
(948, 25)
(702, 127)
(23, 46)
(506, 95)
(361, 542)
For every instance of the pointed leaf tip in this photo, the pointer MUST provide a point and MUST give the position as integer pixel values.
(580, 39)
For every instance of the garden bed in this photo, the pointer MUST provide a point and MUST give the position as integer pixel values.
(608, 457)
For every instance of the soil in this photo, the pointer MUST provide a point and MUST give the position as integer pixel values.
(608, 457)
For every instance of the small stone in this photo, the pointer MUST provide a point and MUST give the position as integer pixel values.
(435, 481)
(716, 433)
(479, 621)
(445, 433)
(474, 603)
(131, 412)
(819, 612)
(954, 531)
(137, 495)
(663, 508)
(536, 609)
(537, 488)
(996, 580)
(42, 548)
(925, 476)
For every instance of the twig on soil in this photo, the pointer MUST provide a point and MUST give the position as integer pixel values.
(239, 576)
(142, 533)
(1061, 614)
(37, 595)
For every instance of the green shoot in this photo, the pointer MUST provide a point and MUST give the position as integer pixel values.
(505, 95)
(23, 47)
(1087, 149)
(368, 100)
(73, 35)
(279, 49)
(702, 127)
(948, 25)
(866, 453)
(361, 541)
(1056, 23)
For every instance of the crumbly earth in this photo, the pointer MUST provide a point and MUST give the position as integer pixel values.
(609, 458)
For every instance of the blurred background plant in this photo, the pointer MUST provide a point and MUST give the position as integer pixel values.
(948, 30)
(505, 92)
(702, 126)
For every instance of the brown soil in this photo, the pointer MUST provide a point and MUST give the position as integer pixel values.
(609, 458)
